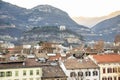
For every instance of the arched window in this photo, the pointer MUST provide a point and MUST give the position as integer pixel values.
(119, 69)
(80, 73)
(72, 74)
(115, 78)
(109, 70)
(114, 70)
(104, 70)
(95, 73)
(118, 78)
(88, 73)
(104, 78)
(109, 78)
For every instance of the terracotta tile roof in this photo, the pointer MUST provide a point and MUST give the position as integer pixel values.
(53, 71)
(11, 65)
(107, 58)
(22, 64)
(79, 64)
(9, 58)
(41, 55)
(53, 58)
(33, 62)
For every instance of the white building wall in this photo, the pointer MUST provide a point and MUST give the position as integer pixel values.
(8, 45)
(67, 72)
(84, 76)
(27, 46)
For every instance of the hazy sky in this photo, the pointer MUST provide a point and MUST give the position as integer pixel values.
(85, 8)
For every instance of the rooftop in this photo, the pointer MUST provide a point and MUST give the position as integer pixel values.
(107, 58)
(79, 64)
(53, 71)
(22, 64)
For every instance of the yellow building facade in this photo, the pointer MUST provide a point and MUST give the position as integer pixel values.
(109, 65)
(28, 73)
(109, 71)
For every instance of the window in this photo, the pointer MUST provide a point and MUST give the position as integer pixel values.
(87, 73)
(104, 78)
(118, 78)
(109, 78)
(2, 74)
(114, 70)
(37, 72)
(72, 74)
(95, 73)
(16, 73)
(63, 79)
(119, 69)
(115, 78)
(9, 73)
(104, 70)
(31, 72)
(31, 78)
(109, 70)
(80, 73)
(37, 78)
(24, 72)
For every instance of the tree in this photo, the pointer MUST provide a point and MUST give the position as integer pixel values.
(117, 40)
(99, 46)
(40, 43)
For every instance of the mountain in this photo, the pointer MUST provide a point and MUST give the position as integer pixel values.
(46, 15)
(11, 14)
(42, 15)
(107, 29)
(13, 32)
(92, 21)
(50, 33)
(22, 20)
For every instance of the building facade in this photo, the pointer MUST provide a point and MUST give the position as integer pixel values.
(15, 68)
(80, 69)
(29, 73)
(109, 66)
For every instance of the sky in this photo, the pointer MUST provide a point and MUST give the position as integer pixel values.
(75, 8)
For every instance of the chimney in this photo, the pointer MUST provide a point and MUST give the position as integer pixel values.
(23, 63)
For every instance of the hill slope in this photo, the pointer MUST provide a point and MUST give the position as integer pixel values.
(92, 21)
(41, 15)
(51, 33)
(107, 29)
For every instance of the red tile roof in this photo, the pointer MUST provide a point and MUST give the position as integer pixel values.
(107, 58)
(52, 58)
